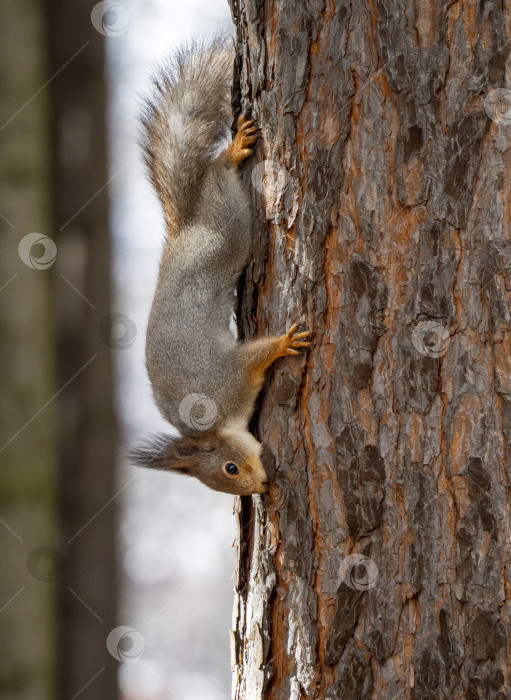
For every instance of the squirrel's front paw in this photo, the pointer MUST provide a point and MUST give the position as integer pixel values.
(292, 340)
(238, 150)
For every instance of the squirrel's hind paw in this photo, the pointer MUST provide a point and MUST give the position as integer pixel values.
(247, 129)
(238, 150)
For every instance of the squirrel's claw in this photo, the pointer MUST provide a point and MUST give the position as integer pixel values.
(247, 131)
(292, 340)
(246, 135)
(292, 334)
(301, 335)
(244, 123)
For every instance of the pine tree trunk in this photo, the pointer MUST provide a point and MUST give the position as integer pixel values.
(87, 444)
(378, 566)
(27, 434)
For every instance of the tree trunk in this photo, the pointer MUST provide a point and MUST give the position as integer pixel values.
(378, 566)
(87, 441)
(27, 435)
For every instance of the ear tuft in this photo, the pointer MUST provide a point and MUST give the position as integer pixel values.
(155, 453)
(168, 453)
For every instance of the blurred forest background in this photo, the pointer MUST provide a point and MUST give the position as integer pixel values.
(114, 582)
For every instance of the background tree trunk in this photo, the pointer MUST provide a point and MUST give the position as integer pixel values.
(27, 438)
(378, 566)
(86, 337)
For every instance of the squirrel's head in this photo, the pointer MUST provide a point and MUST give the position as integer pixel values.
(226, 461)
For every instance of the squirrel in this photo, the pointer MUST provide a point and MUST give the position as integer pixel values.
(204, 381)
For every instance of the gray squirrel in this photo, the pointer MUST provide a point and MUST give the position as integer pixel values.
(204, 381)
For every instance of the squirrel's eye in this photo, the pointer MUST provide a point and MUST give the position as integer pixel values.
(231, 468)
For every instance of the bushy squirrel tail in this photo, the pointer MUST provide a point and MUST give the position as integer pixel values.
(185, 119)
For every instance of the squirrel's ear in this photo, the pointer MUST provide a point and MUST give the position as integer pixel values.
(185, 447)
(192, 446)
(166, 453)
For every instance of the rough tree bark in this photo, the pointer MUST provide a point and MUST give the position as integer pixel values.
(378, 566)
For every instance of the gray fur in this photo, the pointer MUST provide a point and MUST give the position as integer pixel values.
(184, 120)
(190, 350)
(189, 347)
